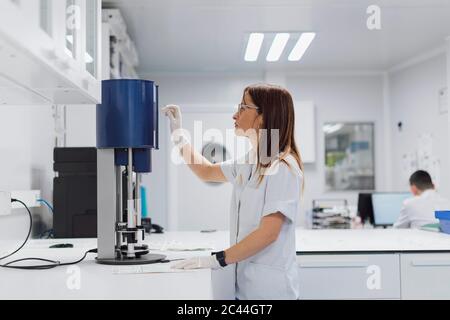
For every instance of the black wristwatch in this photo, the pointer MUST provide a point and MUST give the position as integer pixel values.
(220, 256)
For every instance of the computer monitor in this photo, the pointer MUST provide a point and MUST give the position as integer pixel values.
(387, 206)
(365, 208)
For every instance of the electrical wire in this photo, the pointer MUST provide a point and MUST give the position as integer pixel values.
(49, 232)
(47, 204)
(28, 234)
(34, 267)
(52, 264)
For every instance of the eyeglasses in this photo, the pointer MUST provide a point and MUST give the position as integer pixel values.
(241, 107)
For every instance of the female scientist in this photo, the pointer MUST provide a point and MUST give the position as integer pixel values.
(266, 194)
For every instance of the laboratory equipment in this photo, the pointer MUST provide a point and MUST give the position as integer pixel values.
(330, 214)
(387, 206)
(127, 131)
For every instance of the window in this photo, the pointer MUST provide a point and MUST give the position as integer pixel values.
(349, 156)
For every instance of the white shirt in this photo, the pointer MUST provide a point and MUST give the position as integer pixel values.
(272, 273)
(419, 210)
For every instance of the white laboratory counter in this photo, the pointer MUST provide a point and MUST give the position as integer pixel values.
(370, 241)
(89, 280)
(373, 264)
(333, 264)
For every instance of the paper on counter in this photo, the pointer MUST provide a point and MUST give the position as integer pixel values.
(179, 246)
(149, 268)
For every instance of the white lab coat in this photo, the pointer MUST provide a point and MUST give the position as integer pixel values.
(419, 210)
(271, 273)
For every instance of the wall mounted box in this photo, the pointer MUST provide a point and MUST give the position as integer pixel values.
(29, 197)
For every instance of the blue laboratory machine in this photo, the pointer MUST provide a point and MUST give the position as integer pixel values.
(127, 131)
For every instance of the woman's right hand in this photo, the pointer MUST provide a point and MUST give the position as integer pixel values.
(177, 134)
(181, 138)
(173, 112)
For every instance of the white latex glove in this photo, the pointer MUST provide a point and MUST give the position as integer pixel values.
(204, 262)
(178, 135)
(173, 112)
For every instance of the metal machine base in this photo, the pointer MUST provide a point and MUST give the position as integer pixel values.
(145, 259)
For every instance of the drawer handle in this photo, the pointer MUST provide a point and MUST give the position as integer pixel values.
(431, 263)
(334, 264)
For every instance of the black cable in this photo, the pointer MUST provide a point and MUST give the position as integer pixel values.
(52, 264)
(75, 262)
(35, 267)
(29, 230)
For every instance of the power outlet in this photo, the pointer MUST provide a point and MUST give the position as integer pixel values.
(5, 203)
(29, 197)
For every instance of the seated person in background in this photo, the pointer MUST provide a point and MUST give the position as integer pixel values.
(419, 210)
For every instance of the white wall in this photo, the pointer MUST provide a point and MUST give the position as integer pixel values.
(28, 136)
(187, 89)
(195, 205)
(339, 98)
(81, 126)
(26, 148)
(180, 89)
(414, 102)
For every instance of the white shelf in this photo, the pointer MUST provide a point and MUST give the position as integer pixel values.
(34, 65)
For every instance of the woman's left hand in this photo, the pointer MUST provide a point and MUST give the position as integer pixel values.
(204, 262)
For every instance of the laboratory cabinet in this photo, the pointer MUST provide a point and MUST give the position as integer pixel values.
(425, 276)
(50, 51)
(352, 276)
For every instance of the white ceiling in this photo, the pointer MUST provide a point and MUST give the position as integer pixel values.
(210, 35)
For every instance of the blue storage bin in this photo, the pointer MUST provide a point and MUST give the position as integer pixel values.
(444, 220)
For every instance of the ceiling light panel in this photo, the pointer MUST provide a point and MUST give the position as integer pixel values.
(277, 47)
(253, 46)
(301, 46)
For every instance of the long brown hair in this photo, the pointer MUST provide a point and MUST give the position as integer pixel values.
(277, 109)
